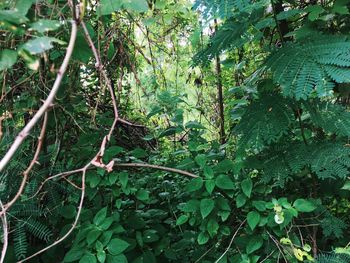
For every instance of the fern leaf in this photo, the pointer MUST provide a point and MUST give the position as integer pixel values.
(264, 122)
(20, 241)
(306, 67)
(332, 118)
(38, 229)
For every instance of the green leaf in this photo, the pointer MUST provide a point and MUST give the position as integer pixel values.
(22, 6)
(116, 259)
(247, 186)
(68, 211)
(253, 219)
(194, 185)
(191, 206)
(181, 220)
(202, 238)
(254, 244)
(93, 236)
(346, 186)
(101, 256)
(7, 59)
(206, 206)
(260, 205)
(88, 258)
(210, 185)
(138, 6)
(107, 7)
(224, 182)
(240, 200)
(40, 44)
(212, 227)
(100, 216)
(73, 255)
(142, 195)
(303, 205)
(45, 25)
(117, 246)
(106, 223)
(201, 160)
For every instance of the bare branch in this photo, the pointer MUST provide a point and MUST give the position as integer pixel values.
(5, 235)
(74, 223)
(30, 167)
(47, 103)
(231, 241)
(146, 165)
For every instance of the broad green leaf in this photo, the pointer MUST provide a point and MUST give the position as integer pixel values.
(247, 186)
(100, 216)
(138, 6)
(107, 7)
(142, 195)
(212, 227)
(181, 220)
(93, 235)
(68, 211)
(106, 223)
(150, 236)
(194, 185)
(73, 255)
(253, 219)
(7, 58)
(224, 182)
(201, 160)
(22, 6)
(123, 179)
(206, 206)
(117, 246)
(40, 44)
(45, 25)
(254, 244)
(346, 186)
(241, 199)
(88, 258)
(260, 205)
(210, 185)
(303, 205)
(191, 206)
(101, 256)
(116, 259)
(202, 238)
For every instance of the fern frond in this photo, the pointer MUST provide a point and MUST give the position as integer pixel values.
(309, 66)
(332, 118)
(264, 122)
(20, 241)
(220, 8)
(330, 160)
(333, 258)
(38, 229)
(333, 226)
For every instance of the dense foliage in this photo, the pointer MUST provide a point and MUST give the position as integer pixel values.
(175, 131)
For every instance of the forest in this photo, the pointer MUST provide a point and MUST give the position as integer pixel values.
(192, 131)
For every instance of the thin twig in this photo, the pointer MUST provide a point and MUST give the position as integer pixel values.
(29, 168)
(146, 165)
(74, 223)
(5, 235)
(231, 241)
(47, 103)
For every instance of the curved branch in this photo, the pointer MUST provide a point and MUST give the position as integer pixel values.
(80, 207)
(47, 103)
(30, 167)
